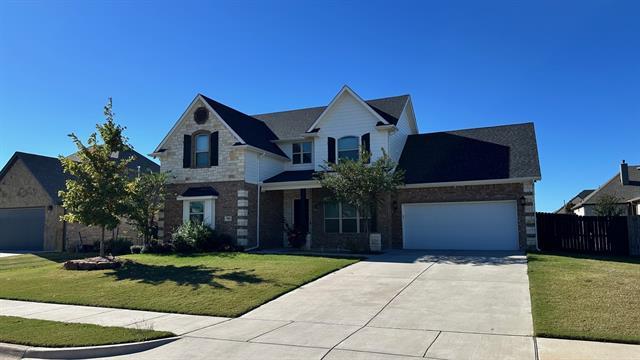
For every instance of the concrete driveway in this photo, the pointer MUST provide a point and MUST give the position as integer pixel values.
(398, 305)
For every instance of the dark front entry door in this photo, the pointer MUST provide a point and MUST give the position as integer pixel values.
(301, 215)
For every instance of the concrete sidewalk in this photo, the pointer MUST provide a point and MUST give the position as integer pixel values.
(400, 305)
(559, 349)
(178, 324)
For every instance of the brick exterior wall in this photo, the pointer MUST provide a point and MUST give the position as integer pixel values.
(458, 193)
(389, 214)
(271, 219)
(230, 203)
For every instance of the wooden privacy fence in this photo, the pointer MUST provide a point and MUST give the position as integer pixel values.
(583, 234)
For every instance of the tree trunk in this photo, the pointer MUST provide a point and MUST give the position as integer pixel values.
(102, 243)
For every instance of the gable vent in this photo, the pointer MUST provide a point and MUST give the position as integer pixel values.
(201, 115)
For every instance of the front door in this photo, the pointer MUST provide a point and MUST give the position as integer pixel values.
(301, 215)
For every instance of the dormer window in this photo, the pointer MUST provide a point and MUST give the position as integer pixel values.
(301, 153)
(348, 148)
(202, 150)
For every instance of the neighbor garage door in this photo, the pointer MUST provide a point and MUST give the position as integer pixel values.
(22, 229)
(484, 225)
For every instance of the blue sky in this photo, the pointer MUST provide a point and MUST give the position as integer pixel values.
(571, 67)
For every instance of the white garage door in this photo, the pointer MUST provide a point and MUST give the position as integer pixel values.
(484, 225)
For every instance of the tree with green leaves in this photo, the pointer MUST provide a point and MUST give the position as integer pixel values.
(96, 194)
(608, 205)
(145, 200)
(360, 183)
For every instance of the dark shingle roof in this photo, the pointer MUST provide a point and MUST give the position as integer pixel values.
(200, 191)
(498, 152)
(614, 187)
(48, 170)
(293, 123)
(145, 164)
(584, 193)
(300, 175)
(251, 130)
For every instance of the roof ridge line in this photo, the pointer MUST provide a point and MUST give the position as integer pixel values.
(475, 128)
(324, 106)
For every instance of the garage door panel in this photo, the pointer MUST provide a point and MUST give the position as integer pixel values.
(484, 225)
(22, 229)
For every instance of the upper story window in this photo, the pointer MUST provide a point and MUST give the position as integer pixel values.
(301, 153)
(348, 148)
(202, 150)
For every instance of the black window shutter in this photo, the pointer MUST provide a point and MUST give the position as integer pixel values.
(365, 140)
(331, 147)
(186, 151)
(213, 149)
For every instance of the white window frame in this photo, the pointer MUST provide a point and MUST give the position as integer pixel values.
(340, 218)
(196, 152)
(302, 152)
(209, 209)
(356, 149)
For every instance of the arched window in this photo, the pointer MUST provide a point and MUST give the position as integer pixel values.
(201, 150)
(348, 148)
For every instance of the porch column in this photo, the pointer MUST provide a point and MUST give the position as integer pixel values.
(304, 210)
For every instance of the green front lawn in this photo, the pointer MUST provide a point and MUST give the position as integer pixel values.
(32, 332)
(589, 298)
(219, 284)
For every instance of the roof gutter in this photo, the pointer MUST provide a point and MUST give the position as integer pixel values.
(291, 185)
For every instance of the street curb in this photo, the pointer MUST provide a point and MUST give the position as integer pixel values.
(18, 351)
(11, 351)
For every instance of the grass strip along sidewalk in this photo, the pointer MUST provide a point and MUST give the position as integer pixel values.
(45, 333)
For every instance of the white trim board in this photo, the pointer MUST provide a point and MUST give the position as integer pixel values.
(471, 182)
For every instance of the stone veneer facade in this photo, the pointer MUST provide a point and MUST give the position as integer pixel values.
(20, 189)
(230, 157)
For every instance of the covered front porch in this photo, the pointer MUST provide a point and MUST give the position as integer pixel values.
(303, 205)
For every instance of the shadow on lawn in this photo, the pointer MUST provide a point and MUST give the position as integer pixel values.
(194, 276)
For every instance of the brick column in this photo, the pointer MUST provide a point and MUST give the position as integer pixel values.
(242, 218)
(530, 215)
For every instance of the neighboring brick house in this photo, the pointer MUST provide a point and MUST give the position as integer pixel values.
(248, 175)
(30, 208)
(624, 186)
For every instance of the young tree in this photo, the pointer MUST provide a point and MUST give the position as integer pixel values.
(608, 205)
(145, 200)
(96, 193)
(360, 184)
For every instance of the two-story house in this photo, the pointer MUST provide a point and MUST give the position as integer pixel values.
(247, 175)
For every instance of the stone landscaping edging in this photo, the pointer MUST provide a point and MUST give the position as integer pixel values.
(12, 351)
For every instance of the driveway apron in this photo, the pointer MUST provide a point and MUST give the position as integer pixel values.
(402, 304)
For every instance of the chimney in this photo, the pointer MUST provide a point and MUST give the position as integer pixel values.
(624, 173)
